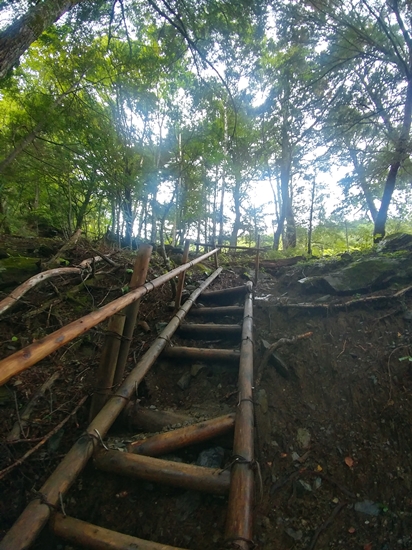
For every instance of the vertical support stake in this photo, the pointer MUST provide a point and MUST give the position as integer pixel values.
(181, 280)
(141, 265)
(107, 366)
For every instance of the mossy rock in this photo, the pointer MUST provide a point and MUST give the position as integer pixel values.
(18, 268)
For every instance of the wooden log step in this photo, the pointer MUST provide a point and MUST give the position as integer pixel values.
(92, 536)
(182, 437)
(224, 296)
(227, 311)
(201, 354)
(211, 329)
(138, 418)
(178, 474)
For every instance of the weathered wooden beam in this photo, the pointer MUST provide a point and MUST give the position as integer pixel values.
(228, 311)
(36, 514)
(222, 331)
(182, 437)
(99, 538)
(239, 520)
(202, 354)
(177, 474)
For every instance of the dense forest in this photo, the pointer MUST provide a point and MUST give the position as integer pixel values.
(163, 119)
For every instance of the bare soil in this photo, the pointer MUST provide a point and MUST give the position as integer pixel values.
(333, 425)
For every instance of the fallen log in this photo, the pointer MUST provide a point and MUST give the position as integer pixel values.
(21, 290)
(55, 261)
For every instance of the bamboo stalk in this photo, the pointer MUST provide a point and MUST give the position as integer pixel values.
(92, 536)
(36, 514)
(177, 474)
(105, 372)
(257, 261)
(140, 268)
(219, 311)
(210, 329)
(203, 354)
(181, 281)
(239, 521)
(30, 355)
(182, 437)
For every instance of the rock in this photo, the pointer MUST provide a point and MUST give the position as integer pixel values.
(303, 438)
(262, 401)
(361, 276)
(277, 362)
(408, 315)
(211, 458)
(184, 381)
(367, 507)
(196, 368)
(317, 483)
(395, 242)
(295, 535)
(295, 456)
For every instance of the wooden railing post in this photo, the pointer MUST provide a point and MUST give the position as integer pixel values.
(107, 367)
(181, 280)
(141, 265)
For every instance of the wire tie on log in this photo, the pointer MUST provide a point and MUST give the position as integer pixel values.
(99, 438)
(123, 396)
(62, 504)
(250, 399)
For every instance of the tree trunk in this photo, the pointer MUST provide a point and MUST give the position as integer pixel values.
(401, 153)
(237, 220)
(16, 38)
(360, 170)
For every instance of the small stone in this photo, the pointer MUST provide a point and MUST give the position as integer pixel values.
(303, 438)
(317, 483)
(196, 368)
(184, 381)
(367, 507)
(295, 535)
(295, 456)
(152, 407)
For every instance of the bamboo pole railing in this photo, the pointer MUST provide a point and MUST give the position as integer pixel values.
(32, 354)
(32, 520)
(239, 521)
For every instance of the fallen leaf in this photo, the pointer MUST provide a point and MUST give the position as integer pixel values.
(349, 461)
(319, 468)
(368, 546)
(269, 464)
(351, 530)
(283, 455)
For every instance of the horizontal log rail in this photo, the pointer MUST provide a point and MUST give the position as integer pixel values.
(99, 538)
(222, 331)
(32, 354)
(32, 520)
(177, 474)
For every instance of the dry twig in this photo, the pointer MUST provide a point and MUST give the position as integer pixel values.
(7, 470)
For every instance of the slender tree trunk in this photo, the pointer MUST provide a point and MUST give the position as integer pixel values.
(312, 205)
(360, 170)
(83, 209)
(401, 153)
(237, 220)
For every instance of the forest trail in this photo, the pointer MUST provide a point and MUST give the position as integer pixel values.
(332, 421)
